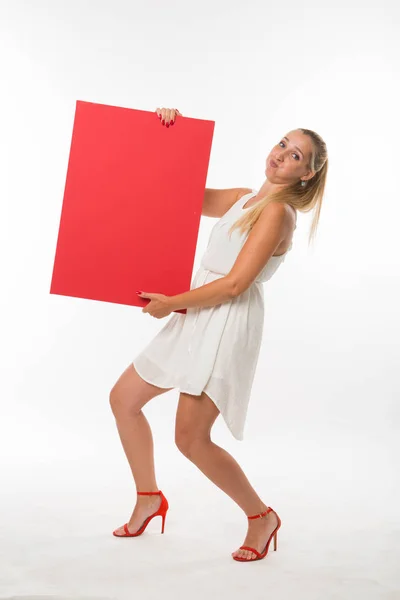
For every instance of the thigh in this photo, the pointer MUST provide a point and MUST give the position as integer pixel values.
(132, 392)
(195, 416)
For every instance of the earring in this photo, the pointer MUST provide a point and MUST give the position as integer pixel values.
(303, 183)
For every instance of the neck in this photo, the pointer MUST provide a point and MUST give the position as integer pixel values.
(268, 188)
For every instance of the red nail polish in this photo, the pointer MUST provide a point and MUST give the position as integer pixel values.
(163, 122)
(167, 125)
(172, 122)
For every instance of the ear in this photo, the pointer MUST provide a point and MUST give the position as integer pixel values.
(309, 175)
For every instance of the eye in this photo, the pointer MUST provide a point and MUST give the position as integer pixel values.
(294, 153)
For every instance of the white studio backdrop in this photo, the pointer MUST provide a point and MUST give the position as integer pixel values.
(323, 418)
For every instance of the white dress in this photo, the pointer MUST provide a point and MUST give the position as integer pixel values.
(214, 348)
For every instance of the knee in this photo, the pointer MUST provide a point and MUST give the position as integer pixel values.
(187, 441)
(120, 402)
(115, 399)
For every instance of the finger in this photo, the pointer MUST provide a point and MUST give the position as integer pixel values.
(174, 114)
(158, 112)
(167, 117)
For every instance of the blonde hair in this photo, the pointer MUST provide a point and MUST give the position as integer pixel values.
(303, 198)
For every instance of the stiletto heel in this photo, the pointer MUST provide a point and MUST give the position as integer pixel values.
(163, 521)
(274, 535)
(162, 511)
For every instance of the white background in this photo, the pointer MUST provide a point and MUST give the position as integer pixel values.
(321, 439)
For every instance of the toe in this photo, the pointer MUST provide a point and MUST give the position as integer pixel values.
(244, 554)
(120, 531)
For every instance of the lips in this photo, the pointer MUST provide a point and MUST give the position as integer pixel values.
(273, 163)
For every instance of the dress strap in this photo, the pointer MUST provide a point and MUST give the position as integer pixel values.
(242, 201)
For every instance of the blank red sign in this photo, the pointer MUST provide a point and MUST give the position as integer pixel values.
(132, 204)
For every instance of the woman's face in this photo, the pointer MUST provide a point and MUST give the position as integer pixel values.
(289, 160)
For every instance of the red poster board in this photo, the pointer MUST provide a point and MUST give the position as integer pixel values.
(132, 204)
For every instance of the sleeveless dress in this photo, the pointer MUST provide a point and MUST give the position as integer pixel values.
(214, 349)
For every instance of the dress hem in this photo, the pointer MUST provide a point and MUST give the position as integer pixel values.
(147, 380)
(182, 391)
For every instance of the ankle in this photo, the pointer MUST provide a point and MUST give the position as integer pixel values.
(148, 499)
(261, 508)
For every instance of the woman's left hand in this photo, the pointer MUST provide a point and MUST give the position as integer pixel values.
(159, 305)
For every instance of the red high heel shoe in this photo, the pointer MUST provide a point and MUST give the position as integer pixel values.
(265, 551)
(162, 512)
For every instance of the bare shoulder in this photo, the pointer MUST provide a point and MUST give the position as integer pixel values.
(282, 211)
(243, 192)
(276, 213)
(218, 201)
(284, 217)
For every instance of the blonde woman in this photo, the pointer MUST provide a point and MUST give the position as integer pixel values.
(210, 353)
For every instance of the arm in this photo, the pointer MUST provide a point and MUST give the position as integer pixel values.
(262, 242)
(217, 202)
(210, 294)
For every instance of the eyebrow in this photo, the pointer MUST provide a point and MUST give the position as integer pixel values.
(286, 138)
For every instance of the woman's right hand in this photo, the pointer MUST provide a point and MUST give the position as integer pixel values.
(167, 116)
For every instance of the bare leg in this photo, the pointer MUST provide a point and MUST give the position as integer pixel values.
(195, 417)
(127, 398)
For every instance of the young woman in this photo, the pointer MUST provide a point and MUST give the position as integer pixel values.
(210, 353)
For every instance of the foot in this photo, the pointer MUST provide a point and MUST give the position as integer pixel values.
(257, 534)
(145, 506)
